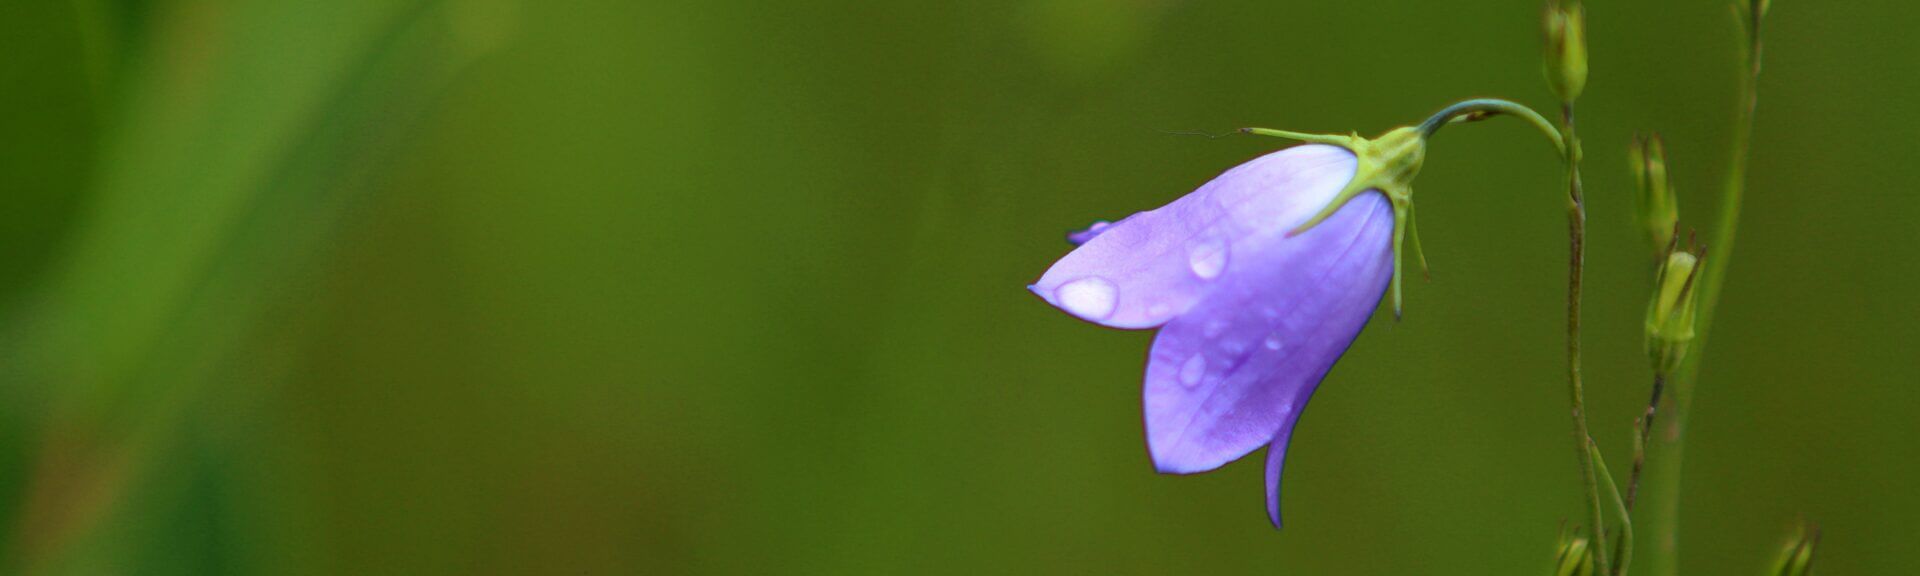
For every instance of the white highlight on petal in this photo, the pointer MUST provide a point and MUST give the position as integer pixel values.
(1207, 258)
(1213, 328)
(1092, 297)
(1193, 370)
(1273, 342)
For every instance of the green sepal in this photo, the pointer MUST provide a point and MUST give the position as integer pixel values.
(1386, 164)
(1389, 163)
(1413, 230)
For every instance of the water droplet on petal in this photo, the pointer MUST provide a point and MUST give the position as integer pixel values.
(1208, 258)
(1274, 343)
(1213, 328)
(1092, 297)
(1081, 237)
(1193, 370)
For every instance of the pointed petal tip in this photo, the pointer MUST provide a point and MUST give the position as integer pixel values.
(1273, 500)
(1276, 459)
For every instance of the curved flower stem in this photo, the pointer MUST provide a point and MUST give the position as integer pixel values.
(1666, 519)
(1482, 108)
(1576, 266)
(1567, 142)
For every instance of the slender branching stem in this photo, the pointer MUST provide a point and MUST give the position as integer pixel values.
(1576, 266)
(1666, 522)
(1642, 442)
(1643, 439)
(1624, 550)
(1566, 140)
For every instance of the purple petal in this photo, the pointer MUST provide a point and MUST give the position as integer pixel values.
(1231, 373)
(1155, 265)
(1083, 236)
(1277, 457)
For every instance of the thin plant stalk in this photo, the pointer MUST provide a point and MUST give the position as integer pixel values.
(1576, 266)
(1643, 439)
(1665, 523)
(1624, 550)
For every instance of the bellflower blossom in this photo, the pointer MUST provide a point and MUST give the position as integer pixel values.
(1251, 316)
(1258, 281)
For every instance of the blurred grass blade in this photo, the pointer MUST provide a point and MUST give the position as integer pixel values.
(250, 127)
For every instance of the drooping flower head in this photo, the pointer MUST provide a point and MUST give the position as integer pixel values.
(1258, 281)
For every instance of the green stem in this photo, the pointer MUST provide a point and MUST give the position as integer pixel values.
(1643, 439)
(1666, 522)
(1567, 141)
(1619, 507)
(1481, 108)
(1576, 266)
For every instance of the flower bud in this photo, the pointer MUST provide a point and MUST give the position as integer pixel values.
(1796, 558)
(1574, 556)
(1670, 315)
(1566, 28)
(1659, 211)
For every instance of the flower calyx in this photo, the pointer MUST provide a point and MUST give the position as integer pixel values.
(1387, 164)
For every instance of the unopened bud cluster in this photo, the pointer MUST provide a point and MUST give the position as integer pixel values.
(1670, 314)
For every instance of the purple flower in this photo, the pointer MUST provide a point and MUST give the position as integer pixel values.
(1253, 312)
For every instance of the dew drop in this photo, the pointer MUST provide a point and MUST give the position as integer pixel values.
(1192, 371)
(1092, 297)
(1208, 258)
(1213, 328)
(1083, 236)
(1273, 342)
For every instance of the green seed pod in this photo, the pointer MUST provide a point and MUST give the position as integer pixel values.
(1658, 210)
(1670, 315)
(1796, 558)
(1566, 43)
(1574, 556)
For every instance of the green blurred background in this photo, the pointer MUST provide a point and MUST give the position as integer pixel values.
(677, 287)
